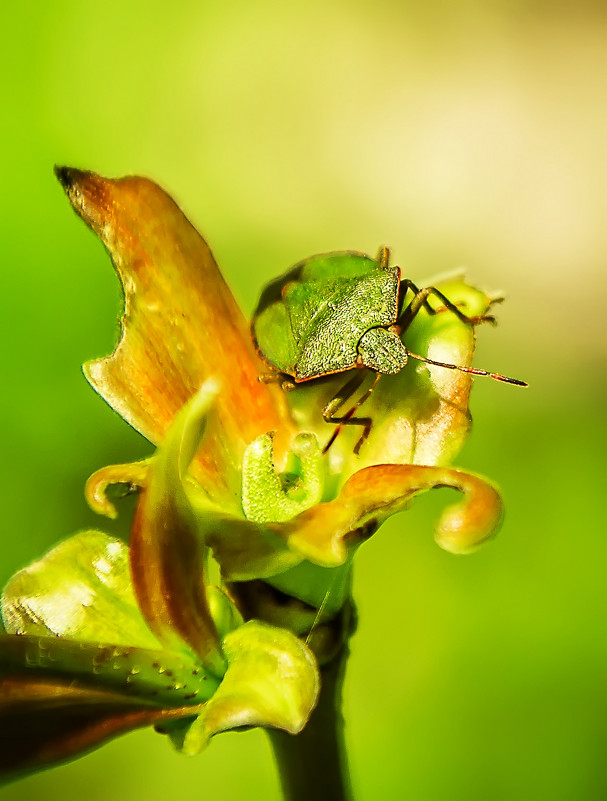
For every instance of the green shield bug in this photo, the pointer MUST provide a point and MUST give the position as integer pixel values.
(338, 311)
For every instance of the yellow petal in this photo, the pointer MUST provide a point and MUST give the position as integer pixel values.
(181, 325)
(132, 474)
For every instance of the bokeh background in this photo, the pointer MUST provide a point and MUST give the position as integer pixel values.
(459, 133)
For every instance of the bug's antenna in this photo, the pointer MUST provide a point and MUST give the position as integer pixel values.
(473, 370)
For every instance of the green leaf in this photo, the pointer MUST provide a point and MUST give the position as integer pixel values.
(155, 676)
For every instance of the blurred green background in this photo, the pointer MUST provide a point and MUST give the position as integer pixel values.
(460, 134)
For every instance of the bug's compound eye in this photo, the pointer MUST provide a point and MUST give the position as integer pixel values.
(288, 288)
(382, 350)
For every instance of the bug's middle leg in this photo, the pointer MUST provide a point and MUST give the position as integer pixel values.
(420, 300)
(348, 419)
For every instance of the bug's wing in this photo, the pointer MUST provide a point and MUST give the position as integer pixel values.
(338, 266)
(328, 318)
(274, 338)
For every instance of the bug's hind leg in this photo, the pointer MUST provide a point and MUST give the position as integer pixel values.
(420, 301)
(348, 419)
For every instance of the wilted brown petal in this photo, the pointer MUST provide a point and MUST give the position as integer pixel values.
(46, 722)
(167, 556)
(181, 325)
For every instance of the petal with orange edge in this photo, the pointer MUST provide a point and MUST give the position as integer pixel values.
(329, 533)
(326, 534)
(180, 325)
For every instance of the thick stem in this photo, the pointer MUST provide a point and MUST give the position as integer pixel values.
(313, 764)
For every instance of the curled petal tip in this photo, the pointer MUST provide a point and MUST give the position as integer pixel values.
(133, 475)
(466, 526)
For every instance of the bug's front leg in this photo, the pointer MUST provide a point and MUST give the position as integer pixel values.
(285, 381)
(348, 419)
(420, 301)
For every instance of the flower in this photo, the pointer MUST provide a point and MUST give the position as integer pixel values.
(239, 473)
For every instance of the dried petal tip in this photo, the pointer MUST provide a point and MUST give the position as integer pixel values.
(71, 177)
(73, 181)
(64, 175)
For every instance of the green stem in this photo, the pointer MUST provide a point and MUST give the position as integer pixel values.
(313, 764)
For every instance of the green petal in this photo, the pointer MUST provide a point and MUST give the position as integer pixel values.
(81, 590)
(224, 611)
(272, 680)
(270, 496)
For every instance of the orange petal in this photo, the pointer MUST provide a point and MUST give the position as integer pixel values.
(327, 533)
(181, 325)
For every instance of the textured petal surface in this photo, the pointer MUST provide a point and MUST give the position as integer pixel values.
(154, 676)
(180, 325)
